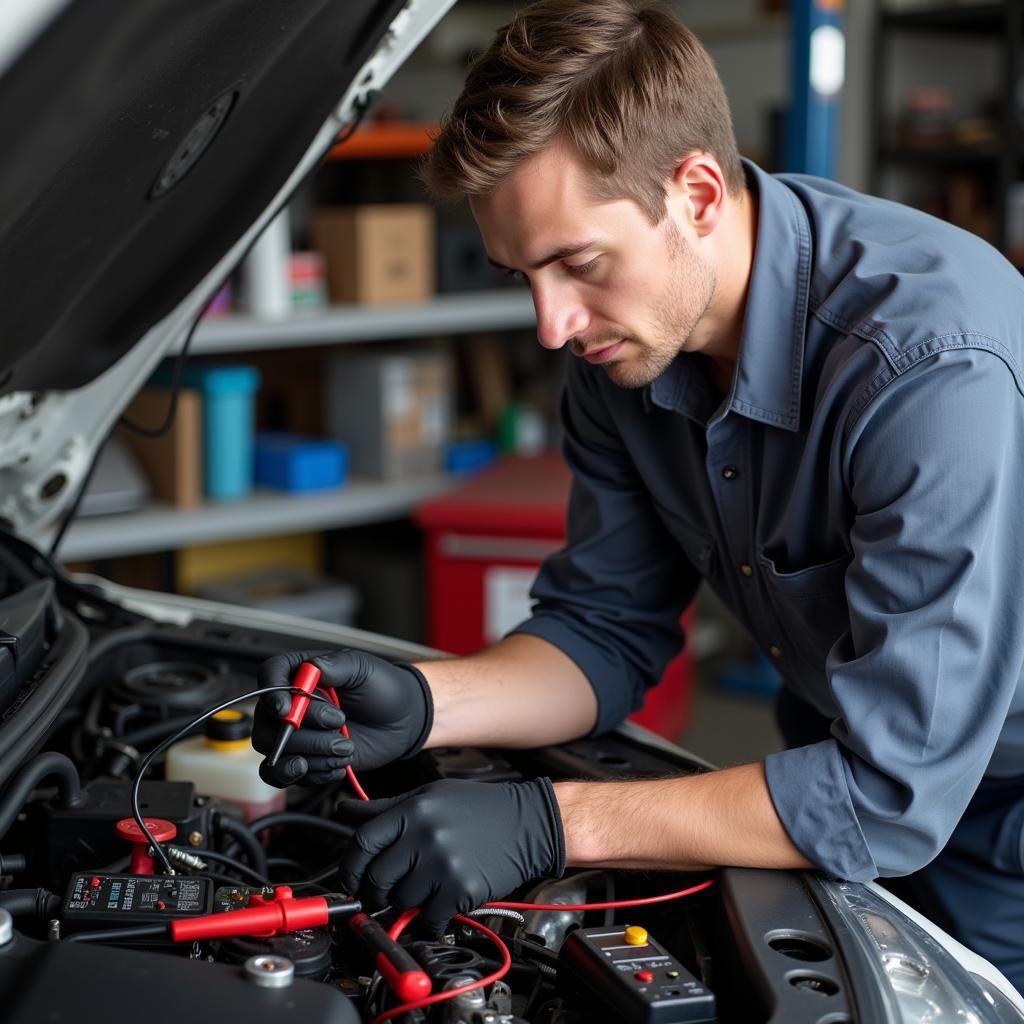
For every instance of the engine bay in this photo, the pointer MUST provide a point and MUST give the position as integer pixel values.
(81, 888)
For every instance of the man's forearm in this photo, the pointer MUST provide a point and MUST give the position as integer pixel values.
(723, 818)
(522, 692)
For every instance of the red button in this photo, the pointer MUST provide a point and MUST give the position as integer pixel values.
(95, 882)
(644, 976)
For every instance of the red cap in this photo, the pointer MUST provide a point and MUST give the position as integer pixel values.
(128, 828)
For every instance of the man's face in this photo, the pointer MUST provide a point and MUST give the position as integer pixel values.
(621, 292)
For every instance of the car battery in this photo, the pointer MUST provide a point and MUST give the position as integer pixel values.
(85, 835)
(485, 542)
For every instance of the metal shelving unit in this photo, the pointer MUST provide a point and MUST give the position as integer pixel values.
(1003, 23)
(162, 527)
(499, 309)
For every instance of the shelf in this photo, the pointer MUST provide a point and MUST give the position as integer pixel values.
(162, 527)
(941, 156)
(494, 310)
(972, 19)
(386, 141)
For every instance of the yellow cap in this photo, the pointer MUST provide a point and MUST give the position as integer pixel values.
(228, 730)
(635, 935)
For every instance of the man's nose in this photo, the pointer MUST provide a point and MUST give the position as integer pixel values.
(560, 316)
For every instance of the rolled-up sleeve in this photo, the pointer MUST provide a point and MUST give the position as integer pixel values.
(924, 675)
(611, 599)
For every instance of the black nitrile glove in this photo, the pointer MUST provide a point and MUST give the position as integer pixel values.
(451, 846)
(388, 707)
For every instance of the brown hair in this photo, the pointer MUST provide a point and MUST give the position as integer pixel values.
(622, 81)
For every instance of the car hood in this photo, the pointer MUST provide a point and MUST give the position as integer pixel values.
(151, 144)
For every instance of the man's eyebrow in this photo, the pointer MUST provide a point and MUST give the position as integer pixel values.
(558, 254)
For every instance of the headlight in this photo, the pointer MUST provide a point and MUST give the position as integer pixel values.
(925, 983)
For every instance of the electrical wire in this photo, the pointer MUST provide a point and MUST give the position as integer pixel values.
(138, 931)
(245, 840)
(177, 378)
(607, 904)
(604, 905)
(406, 917)
(235, 865)
(316, 879)
(276, 818)
(164, 744)
(351, 775)
(176, 381)
(450, 993)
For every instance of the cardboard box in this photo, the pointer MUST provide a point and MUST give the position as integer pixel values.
(291, 396)
(377, 254)
(392, 409)
(173, 463)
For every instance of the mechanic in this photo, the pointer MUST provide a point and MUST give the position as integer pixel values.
(809, 397)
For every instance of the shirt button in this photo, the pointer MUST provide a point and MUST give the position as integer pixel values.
(775, 651)
(730, 472)
(747, 569)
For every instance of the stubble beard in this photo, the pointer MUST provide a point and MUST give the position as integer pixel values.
(678, 310)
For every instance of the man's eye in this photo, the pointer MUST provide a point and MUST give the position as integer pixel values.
(515, 275)
(583, 268)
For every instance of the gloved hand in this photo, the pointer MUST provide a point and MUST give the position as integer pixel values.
(451, 846)
(388, 707)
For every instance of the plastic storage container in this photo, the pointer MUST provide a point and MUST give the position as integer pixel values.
(469, 456)
(294, 463)
(223, 764)
(229, 417)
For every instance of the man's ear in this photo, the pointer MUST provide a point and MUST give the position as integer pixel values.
(697, 193)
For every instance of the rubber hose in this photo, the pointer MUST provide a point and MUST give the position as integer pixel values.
(18, 792)
(246, 839)
(293, 818)
(39, 903)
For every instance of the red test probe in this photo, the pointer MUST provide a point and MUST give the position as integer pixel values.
(305, 679)
(401, 973)
(283, 913)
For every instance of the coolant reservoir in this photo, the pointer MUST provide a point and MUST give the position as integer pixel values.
(223, 764)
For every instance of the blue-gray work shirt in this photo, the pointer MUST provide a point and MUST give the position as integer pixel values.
(857, 502)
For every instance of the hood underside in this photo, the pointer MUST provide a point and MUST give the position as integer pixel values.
(151, 143)
(145, 139)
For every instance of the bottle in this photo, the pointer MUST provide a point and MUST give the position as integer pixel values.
(223, 764)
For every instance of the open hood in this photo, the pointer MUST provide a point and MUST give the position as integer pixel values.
(150, 144)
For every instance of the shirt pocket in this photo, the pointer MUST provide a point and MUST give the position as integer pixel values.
(810, 605)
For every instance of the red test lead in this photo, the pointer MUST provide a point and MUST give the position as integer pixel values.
(284, 913)
(401, 973)
(305, 679)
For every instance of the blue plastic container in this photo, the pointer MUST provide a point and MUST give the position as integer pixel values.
(295, 463)
(469, 456)
(229, 418)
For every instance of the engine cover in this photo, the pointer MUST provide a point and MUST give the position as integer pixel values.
(66, 981)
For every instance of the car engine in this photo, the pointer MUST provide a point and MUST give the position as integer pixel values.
(89, 915)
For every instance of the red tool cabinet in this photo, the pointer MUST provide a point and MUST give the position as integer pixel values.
(485, 541)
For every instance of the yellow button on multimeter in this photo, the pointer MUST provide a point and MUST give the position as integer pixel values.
(635, 935)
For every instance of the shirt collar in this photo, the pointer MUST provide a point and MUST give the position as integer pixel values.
(769, 368)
